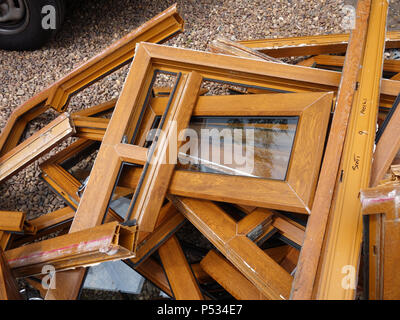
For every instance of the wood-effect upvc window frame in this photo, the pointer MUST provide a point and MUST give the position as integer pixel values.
(128, 112)
(233, 240)
(66, 186)
(158, 29)
(126, 117)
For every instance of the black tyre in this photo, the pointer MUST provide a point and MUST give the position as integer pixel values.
(21, 23)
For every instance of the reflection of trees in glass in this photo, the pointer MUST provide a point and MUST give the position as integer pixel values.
(273, 140)
(272, 143)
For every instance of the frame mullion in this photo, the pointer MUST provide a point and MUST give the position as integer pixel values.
(381, 202)
(180, 276)
(344, 236)
(311, 45)
(317, 223)
(221, 230)
(159, 29)
(229, 277)
(313, 112)
(35, 146)
(256, 73)
(155, 184)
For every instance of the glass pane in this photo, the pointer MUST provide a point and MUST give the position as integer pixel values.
(163, 84)
(257, 147)
(80, 164)
(121, 198)
(121, 201)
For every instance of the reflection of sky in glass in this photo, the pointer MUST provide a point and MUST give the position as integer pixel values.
(121, 198)
(245, 146)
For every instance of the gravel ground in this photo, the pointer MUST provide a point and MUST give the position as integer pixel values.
(92, 25)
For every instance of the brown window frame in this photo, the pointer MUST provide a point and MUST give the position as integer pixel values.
(294, 196)
(126, 117)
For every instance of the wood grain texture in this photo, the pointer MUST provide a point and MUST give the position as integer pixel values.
(181, 279)
(103, 243)
(278, 104)
(317, 223)
(226, 46)
(289, 229)
(58, 220)
(310, 62)
(4, 239)
(311, 45)
(8, 284)
(162, 163)
(258, 217)
(396, 77)
(229, 277)
(68, 280)
(343, 241)
(90, 127)
(148, 243)
(386, 149)
(154, 272)
(35, 146)
(52, 218)
(278, 253)
(131, 153)
(290, 195)
(380, 203)
(12, 221)
(220, 229)
(391, 277)
(159, 29)
(96, 110)
(272, 75)
(200, 274)
(329, 60)
(290, 261)
(19, 118)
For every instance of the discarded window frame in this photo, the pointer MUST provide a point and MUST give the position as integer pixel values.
(232, 239)
(159, 29)
(383, 249)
